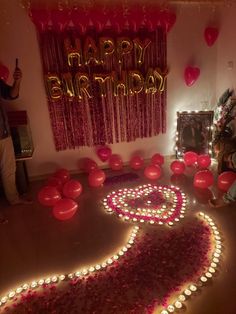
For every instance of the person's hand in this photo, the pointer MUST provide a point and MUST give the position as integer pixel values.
(17, 75)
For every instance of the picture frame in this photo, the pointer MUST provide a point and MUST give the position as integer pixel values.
(194, 132)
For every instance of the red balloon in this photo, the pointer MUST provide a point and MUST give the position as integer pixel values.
(98, 16)
(190, 158)
(72, 189)
(65, 209)
(152, 172)
(89, 165)
(211, 34)
(40, 18)
(136, 16)
(115, 162)
(119, 19)
(49, 196)
(60, 19)
(225, 180)
(104, 153)
(56, 182)
(80, 18)
(177, 167)
(62, 174)
(157, 159)
(191, 74)
(96, 178)
(4, 73)
(136, 162)
(153, 14)
(204, 161)
(203, 179)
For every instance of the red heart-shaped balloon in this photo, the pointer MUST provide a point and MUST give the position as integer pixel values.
(104, 153)
(211, 34)
(191, 74)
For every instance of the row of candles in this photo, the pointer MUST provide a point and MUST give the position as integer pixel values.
(55, 279)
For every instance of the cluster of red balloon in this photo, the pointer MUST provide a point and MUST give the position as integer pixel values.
(154, 170)
(190, 158)
(60, 193)
(96, 176)
(98, 16)
(105, 154)
(204, 177)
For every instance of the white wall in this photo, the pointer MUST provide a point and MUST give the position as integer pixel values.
(226, 75)
(186, 46)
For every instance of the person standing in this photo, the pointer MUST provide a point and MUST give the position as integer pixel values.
(7, 155)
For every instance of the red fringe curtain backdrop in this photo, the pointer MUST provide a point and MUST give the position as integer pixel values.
(105, 83)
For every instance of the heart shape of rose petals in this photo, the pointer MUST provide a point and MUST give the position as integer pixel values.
(169, 265)
(148, 203)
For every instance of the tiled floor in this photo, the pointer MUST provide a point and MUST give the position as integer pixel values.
(34, 244)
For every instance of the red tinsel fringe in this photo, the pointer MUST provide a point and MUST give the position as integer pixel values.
(107, 119)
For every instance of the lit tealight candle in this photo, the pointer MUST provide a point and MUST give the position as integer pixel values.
(34, 284)
(187, 292)
(19, 290)
(54, 279)
(181, 298)
(203, 279)
(62, 277)
(171, 308)
(4, 299)
(11, 294)
(208, 275)
(25, 286)
(193, 288)
(178, 305)
(211, 270)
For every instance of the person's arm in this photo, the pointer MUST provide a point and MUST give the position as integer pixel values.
(15, 88)
(11, 92)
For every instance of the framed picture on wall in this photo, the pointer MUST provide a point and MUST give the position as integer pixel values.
(194, 132)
